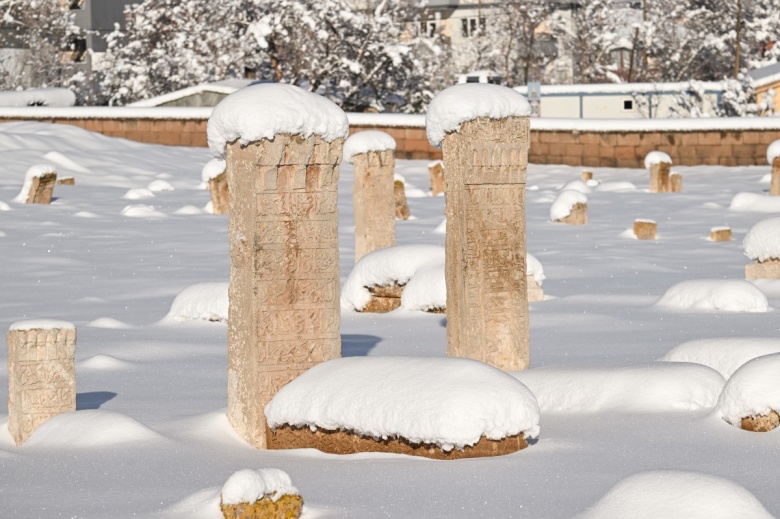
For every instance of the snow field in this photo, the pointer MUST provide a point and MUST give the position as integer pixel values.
(753, 389)
(365, 141)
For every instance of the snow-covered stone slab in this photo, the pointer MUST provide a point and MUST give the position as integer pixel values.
(570, 207)
(260, 494)
(651, 387)
(762, 244)
(39, 182)
(365, 141)
(751, 398)
(720, 234)
(723, 354)
(676, 494)
(445, 408)
(727, 295)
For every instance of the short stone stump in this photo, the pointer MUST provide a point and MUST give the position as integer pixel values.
(769, 269)
(347, 442)
(286, 507)
(761, 423)
(260, 494)
(644, 229)
(384, 298)
(401, 205)
(720, 234)
(577, 216)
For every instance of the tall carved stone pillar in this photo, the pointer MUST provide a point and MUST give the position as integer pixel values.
(41, 374)
(284, 278)
(487, 298)
(659, 177)
(374, 201)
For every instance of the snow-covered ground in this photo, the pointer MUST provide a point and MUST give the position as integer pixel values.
(150, 437)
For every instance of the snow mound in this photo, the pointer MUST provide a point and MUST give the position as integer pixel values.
(449, 402)
(104, 363)
(42, 324)
(142, 211)
(109, 322)
(86, 214)
(202, 301)
(61, 160)
(755, 203)
(188, 210)
(754, 389)
(615, 187)
(263, 110)
(441, 228)
(723, 354)
(728, 295)
(212, 169)
(577, 185)
(762, 242)
(533, 267)
(676, 494)
(766, 179)
(363, 142)
(386, 266)
(651, 387)
(461, 103)
(426, 290)
(248, 486)
(773, 151)
(159, 185)
(32, 172)
(4, 206)
(88, 429)
(656, 157)
(138, 193)
(562, 206)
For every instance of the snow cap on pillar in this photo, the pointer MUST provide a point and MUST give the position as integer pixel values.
(461, 103)
(369, 140)
(261, 111)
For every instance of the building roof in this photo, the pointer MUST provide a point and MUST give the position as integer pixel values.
(766, 75)
(226, 86)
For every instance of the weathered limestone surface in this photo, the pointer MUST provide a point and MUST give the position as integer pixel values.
(41, 377)
(436, 170)
(769, 269)
(644, 229)
(774, 186)
(401, 205)
(722, 234)
(66, 181)
(761, 423)
(373, 198)
(535, 292)
(487, 297)
(384, 298)
(218, 188)
(659, 178)
(586, 175)
(347, 442)
(577, 216)
(675, 183)
(289, 506)
(42, 188)
(284, 277)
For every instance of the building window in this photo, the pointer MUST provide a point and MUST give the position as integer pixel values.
(76, 50)
(470, 27)
(75, 4)
(428, 28)
(628, 105)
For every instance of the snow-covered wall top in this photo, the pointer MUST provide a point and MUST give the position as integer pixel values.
(261, 111)
(363, 142)
(457, 104)
(38, 97)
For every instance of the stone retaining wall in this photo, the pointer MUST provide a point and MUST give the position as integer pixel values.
(594, 147)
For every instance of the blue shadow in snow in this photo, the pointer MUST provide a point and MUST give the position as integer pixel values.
(93, 399)
(357, 345)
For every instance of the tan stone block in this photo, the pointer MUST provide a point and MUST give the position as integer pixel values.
(608, 139)
(622, 163)
(624, 152)
(650, 140)
(66, 181)
(731, 138)
(590, 152)
(41, 376)
(373, 199)
(628, 139)
(644, 229)
(589, 139)
(143, 125)
(761, 423)
(769, 269)
(586, 175)
(675, 183)
(574, 150)
(437, 178)
(577, 216)
(774, 184)
(768, 137)
(710, 138)
(41, 189)
(720, 234)
(659, 177)
(218, 188)
(751, 137)
(94, 125)
(111, 125)
(288, 506)
(401, 205)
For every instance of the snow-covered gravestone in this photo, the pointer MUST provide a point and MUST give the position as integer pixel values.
(283, 147)
(751, 398)
(373, 155)
(762, 245)
(214, 175)
(436, 170)
(41, 374)
(570, 207)
(659, 164)
(644, 229)
(484, 132)
(38, 185)
(773, 157)
(260, 494)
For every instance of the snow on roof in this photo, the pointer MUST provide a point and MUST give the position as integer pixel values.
(227, 87)
(625, 88)
(656, 157)
(42, 324)
(677, 494)
(38, 97)
(446, 401)
(369, 140)
(261, 111)
(723, 354)
(650, 387)
(773, 151)
(726, 295)
(755, 203)
(562, 206)
(762, 242)
(249, 486)
(460, 103)
(765, 75)
(754, 389)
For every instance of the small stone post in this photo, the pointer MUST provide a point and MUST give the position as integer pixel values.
(586, 175)
(720, 234)
(659, 177)
(577, 216)
(774, 186)
(41, 374)
(436, 169)
(401, 205)
(284, 311)
(218, 188)
(675, 183)
(373, 195)
(486, 160)
(644, 229)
